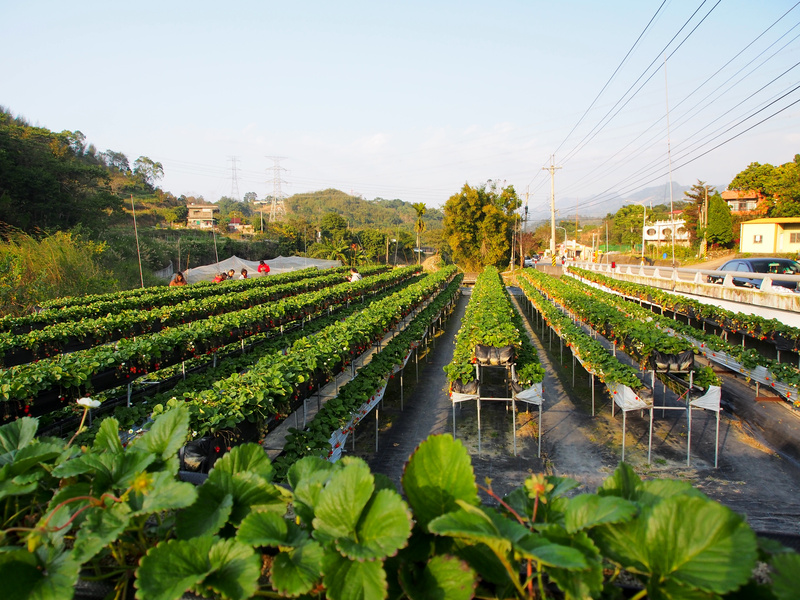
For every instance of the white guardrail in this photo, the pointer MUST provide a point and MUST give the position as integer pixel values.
(696, 282)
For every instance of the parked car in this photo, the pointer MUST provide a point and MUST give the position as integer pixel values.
(528, 262)
(785, 266)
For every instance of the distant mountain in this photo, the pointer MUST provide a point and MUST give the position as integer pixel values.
(651, 196)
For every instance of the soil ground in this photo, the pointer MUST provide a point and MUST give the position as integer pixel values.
(758, 474)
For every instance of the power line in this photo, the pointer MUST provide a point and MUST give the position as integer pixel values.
(610, 79)
(603, 123)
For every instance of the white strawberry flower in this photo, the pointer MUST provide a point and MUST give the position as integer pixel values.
(88, 402)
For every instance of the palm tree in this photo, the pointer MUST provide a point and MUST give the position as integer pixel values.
(335, 249)
(419, 226)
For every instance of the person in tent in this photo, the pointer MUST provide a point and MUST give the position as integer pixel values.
(243, 274)
(177, 280)
(219, 277)
(263, 268)
(231, 273)
(354, 274)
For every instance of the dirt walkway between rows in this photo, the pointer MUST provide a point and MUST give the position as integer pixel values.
(752, 477)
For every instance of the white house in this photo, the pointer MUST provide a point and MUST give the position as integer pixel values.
(662, 231)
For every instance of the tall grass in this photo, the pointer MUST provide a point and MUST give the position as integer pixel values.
(33, 270)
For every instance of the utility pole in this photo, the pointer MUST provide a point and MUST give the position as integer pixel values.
(644, 225)
(704, 214)
(522, 227)
(552, 168)
(277, 210)
(669, 156)
(234, 178)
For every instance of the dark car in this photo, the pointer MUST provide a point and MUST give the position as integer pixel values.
(777, 266)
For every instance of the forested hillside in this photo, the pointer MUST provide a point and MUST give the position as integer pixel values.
(378, 213)
(55, 181)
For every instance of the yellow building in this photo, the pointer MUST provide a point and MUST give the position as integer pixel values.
(770, 236)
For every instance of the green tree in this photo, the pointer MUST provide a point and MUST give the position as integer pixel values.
(627, 224)
(147, 171)
(116, 161)
(331, 249)
(333, 225)
(419, 225)
(692, 213)
(756, 177)
(477, 225)
(373, 244)
(45, 185)
(779, 185)
(720, 224)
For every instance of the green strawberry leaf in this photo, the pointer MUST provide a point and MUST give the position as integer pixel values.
(207, 515)
(588, 510)
(102, 526)
(784, 576)
(270, 529)
(46, 574)
(443, 577)
(296, 571)
(167, 434)
(107, 437)
(346, 579)
(235, 570)
(437, 475)
(343, 499)
(247, 457)
(383, 529)
(173, 567)
(15, 436)
(164, 493)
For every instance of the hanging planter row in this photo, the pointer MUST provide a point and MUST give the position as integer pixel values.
(104, 367)
(783, 377)
(338, 417)
(490, 320)
(72, 335)
(783, 336)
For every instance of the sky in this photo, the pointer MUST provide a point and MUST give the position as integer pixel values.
(412, 100)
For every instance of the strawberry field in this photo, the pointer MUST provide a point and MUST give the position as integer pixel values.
(90, 494)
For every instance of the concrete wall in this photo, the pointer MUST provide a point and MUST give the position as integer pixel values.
(694, 282)
(768, 233)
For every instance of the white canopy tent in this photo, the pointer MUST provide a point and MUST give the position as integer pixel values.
(281, 264)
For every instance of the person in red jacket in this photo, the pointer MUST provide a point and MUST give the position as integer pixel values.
(263, 268)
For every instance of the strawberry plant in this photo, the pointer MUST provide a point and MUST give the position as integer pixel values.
(348, 407)
(490, 320)
(752, 325)
(109, 366)
(589, 351)
(115, 514)
(709, 344)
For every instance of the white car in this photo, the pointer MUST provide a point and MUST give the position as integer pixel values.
(528, 262)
